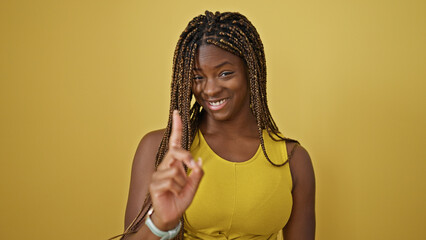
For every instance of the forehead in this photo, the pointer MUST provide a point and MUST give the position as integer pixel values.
(209, 55)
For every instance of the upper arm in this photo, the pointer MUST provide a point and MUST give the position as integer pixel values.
(142, 169)
(301, 224)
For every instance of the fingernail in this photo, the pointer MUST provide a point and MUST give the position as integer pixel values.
(200, 162)
(192, 163)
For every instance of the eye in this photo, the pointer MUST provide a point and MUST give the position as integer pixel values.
(226, 73)
(197, 78)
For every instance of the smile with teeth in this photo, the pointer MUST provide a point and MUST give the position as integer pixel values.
(217, 103)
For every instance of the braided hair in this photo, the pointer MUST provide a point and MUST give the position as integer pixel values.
(234, 33)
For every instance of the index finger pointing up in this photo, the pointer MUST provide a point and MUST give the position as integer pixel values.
(176, 135)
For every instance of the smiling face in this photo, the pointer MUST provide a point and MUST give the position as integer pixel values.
(220, 83)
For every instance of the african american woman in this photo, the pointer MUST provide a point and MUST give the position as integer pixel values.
(221, 169)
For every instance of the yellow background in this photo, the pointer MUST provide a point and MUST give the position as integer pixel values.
(83, 81)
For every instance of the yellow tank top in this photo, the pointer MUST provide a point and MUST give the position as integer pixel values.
(240, 200)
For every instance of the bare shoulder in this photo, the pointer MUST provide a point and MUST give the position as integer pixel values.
(301, 224)
(144, 160)
(149, 145)
(300, 164)
(142, 170)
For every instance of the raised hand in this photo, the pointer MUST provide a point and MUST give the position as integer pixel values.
(172, 190)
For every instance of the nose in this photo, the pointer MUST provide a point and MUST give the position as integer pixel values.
(211, 87)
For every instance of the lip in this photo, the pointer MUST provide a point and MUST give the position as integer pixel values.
(217, 107)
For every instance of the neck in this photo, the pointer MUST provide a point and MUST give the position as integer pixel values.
(242, 126)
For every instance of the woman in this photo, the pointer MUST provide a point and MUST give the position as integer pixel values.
(248, 182)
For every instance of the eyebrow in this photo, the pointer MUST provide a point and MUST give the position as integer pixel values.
(217, 66)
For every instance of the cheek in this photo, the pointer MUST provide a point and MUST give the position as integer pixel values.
(196, 93)
(195, 90)
(241, 87)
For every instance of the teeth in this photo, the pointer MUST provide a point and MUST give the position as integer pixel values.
(217, 103)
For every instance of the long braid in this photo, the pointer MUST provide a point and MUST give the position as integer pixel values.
(234, 33)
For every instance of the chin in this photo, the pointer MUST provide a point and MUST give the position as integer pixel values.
(219, 116)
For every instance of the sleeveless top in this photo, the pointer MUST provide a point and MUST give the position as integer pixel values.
(240, 200)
